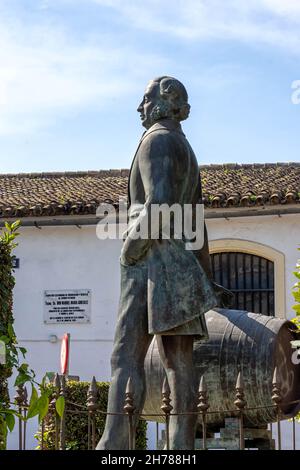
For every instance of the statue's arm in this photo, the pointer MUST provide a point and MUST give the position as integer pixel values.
(204, 257)
(156, 164)
(224, 295)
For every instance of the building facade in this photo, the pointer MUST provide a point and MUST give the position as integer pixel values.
(253, 221)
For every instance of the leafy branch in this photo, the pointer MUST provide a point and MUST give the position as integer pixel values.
(14, 354)
(296, 293)
(296, 307)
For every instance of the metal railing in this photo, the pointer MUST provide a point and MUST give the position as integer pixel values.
(91, 411)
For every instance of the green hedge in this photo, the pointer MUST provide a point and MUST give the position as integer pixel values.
(77, 424)
(7, 283)
(296, 307)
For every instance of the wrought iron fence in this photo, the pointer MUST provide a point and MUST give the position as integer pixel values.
(91, 410)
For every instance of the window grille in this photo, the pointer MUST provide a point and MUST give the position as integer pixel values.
(249, 277)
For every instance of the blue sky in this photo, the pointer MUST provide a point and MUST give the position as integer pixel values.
(72, 73)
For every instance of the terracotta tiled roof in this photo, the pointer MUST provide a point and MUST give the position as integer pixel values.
(228, 185)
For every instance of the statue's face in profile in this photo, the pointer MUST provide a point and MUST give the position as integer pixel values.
(150, 99)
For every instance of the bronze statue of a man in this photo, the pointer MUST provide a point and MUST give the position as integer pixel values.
(165, 289)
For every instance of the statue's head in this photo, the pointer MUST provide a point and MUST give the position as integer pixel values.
(165, 97)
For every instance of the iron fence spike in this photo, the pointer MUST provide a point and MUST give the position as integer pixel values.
(165, 387)
(92, 396)
(275, 379)
(202, 386)
(94, 384)
(277, 399)
(129, 408)
(25, 396)
(57, 381)
(239, 381)
(129, 386)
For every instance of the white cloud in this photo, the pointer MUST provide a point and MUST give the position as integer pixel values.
(289, 9)
(271, 22)
(46, 74)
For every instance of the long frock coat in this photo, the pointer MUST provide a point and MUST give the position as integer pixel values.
(165, 171)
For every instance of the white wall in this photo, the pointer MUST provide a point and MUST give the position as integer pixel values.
(66, 258)
(55, 258)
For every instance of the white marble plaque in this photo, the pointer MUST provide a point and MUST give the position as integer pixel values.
(67, 306)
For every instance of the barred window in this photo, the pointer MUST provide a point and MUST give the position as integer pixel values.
(249, 277)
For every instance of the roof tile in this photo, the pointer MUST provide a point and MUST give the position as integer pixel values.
(80, 192)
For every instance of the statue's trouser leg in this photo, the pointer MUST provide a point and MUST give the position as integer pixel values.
(176, 353)
(130, 347)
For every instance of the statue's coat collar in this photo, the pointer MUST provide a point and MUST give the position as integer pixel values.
(164, 124)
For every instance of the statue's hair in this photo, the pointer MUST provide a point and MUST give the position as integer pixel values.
(174, 100)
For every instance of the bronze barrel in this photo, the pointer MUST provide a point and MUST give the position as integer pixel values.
(239, 341)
